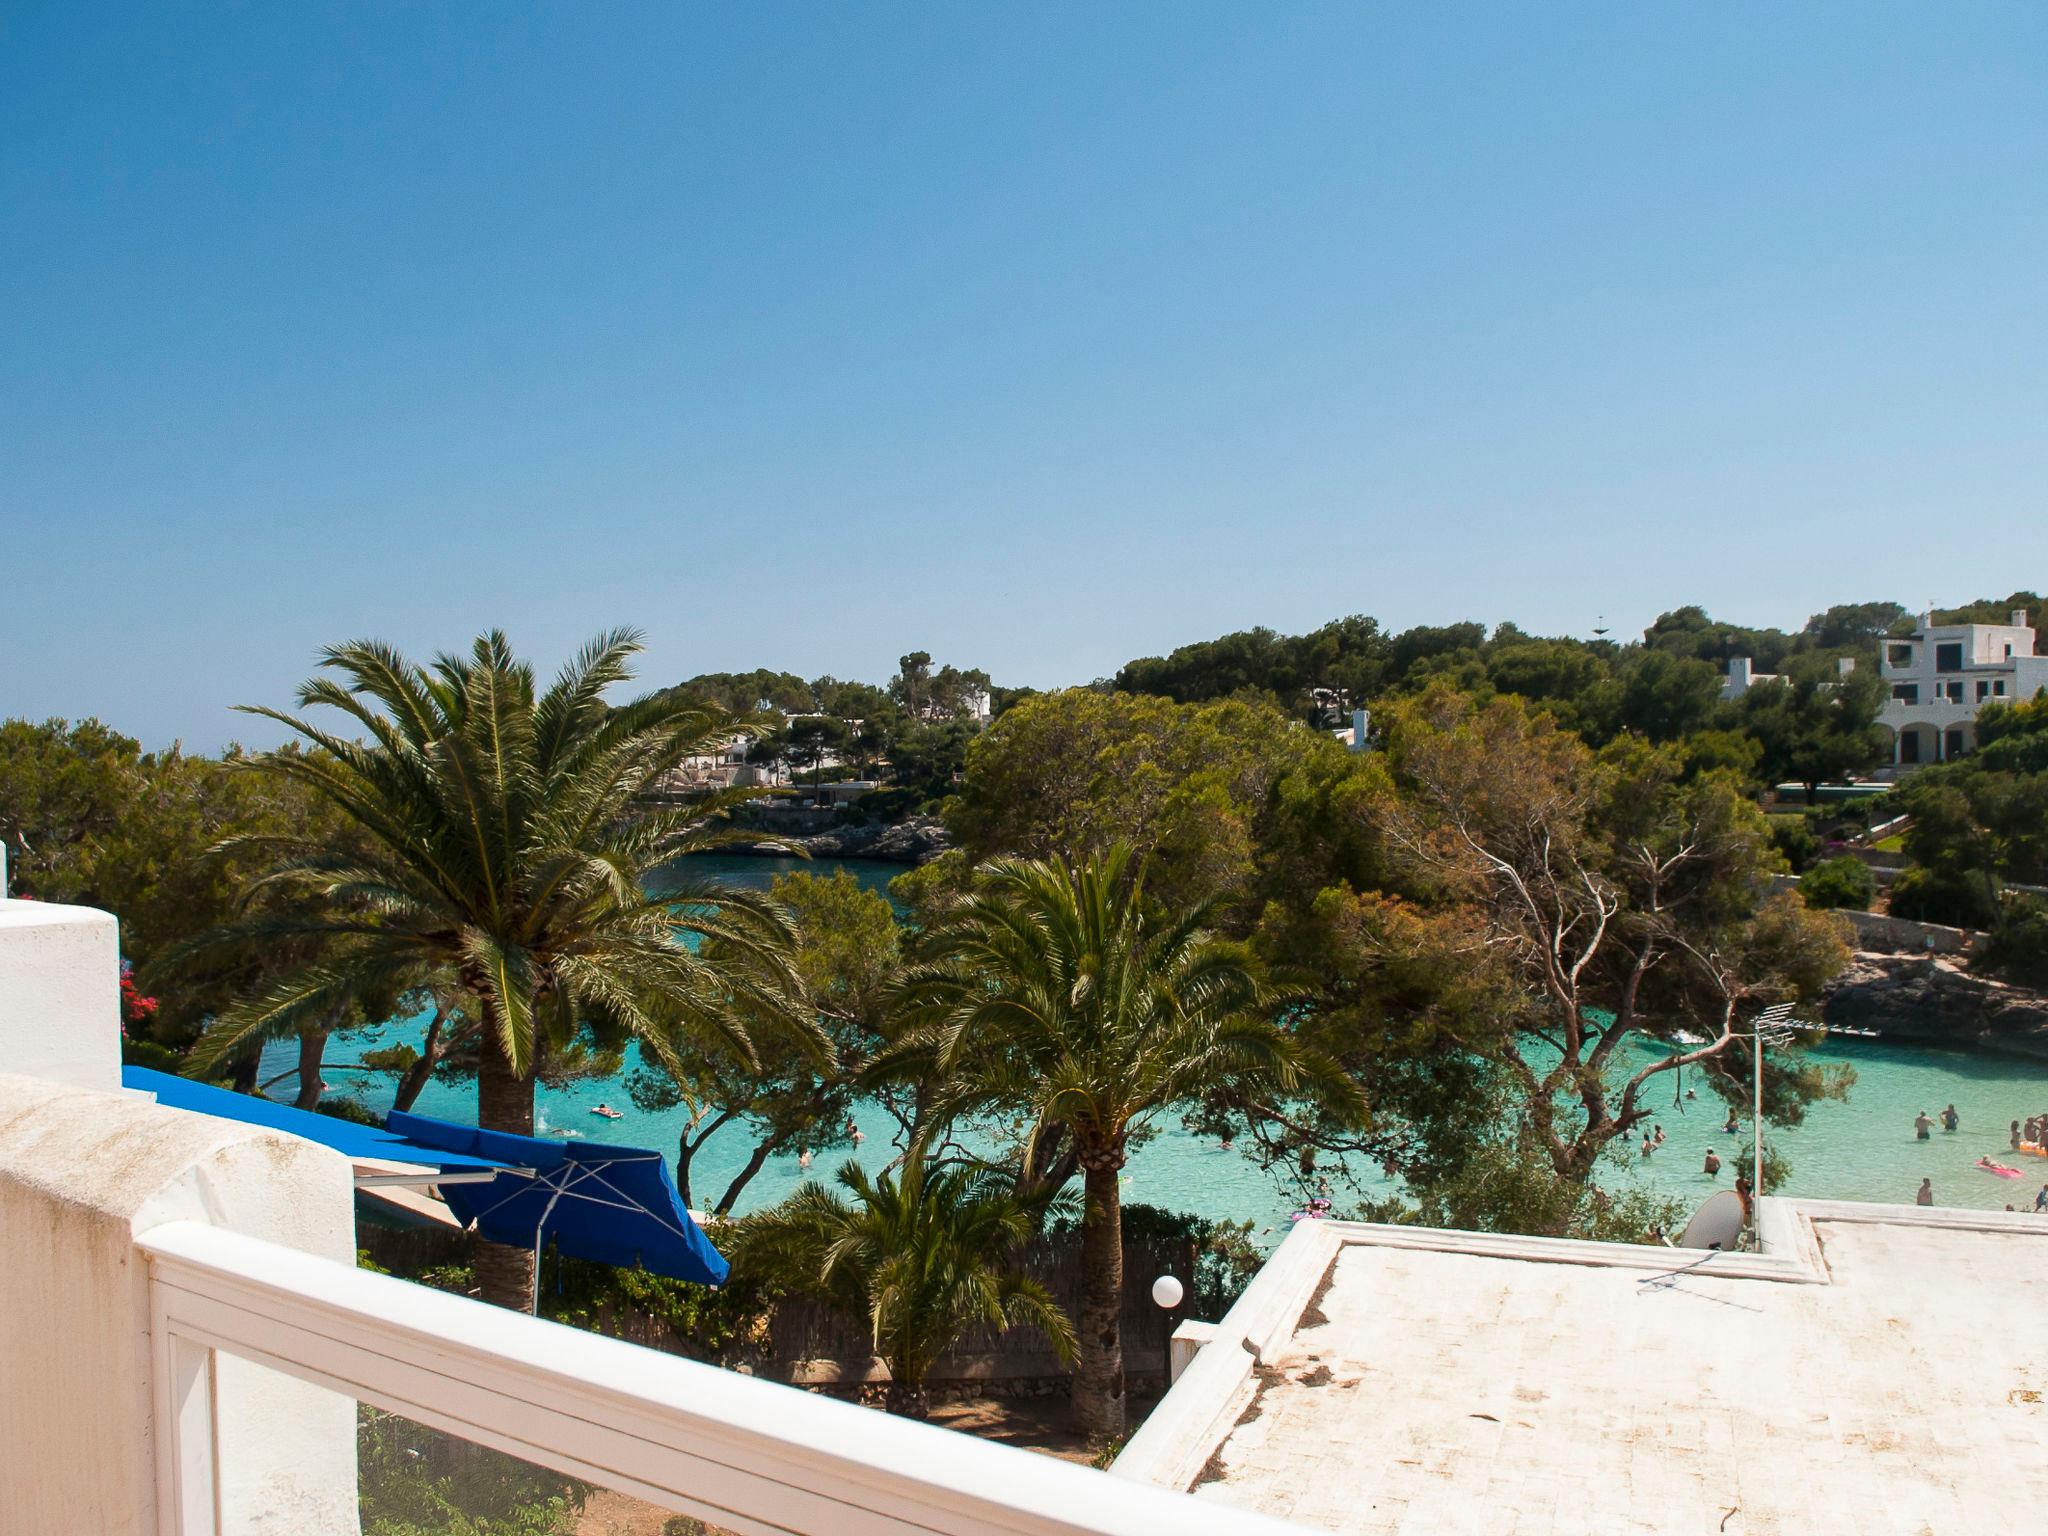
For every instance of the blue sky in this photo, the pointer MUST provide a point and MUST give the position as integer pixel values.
(1035, 336)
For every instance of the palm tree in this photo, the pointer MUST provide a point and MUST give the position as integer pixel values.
(1057, 990)
(923, 1253)
(503, 851)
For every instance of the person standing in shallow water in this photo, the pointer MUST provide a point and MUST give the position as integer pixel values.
(1950, 1120)
(1925, 1196)
(1713, 1165)
(1923, 1128)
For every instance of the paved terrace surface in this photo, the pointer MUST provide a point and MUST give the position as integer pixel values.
(1443, 1392)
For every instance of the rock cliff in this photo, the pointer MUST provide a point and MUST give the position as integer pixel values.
(914, 840)
(1935, 1001)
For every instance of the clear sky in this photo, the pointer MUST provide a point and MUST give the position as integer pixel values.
(1035, 336)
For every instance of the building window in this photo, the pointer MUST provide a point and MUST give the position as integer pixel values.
(1906, 693)
(1948, 656)
(1983, 692)
(1901, 655)
(1909, 746)
(1998, 688)
(1955, 692)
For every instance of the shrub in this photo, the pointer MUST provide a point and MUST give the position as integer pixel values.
(1840, 882)
(416, 1481)
(1795, 839)
(1957, 898)
(346, 1107)
(2017, 950)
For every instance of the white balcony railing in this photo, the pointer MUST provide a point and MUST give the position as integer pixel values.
(747, 1455)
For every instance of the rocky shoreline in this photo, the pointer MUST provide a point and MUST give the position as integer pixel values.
(914, 840)
(1929, 1000)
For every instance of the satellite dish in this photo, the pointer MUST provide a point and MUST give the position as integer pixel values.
(1717, 1224)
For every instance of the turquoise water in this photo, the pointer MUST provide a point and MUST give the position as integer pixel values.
(1863, 1149)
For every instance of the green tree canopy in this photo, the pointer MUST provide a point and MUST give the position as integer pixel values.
(1605, 894)
(1817, 726)
(1063, 993)
(505, 850)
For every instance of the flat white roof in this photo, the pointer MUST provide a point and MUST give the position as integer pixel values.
(1883, 1369)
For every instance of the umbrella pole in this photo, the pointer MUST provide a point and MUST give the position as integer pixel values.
(539, 1228)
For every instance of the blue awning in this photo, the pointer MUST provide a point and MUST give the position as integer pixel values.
(618, 1205)
(345, 1136)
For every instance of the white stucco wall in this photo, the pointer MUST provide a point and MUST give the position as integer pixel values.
(82, 1172)
(60, 993)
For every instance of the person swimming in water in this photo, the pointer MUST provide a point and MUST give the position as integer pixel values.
(1731, 1127)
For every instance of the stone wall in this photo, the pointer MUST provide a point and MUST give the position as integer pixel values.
(812, 1345)
(1884, 934)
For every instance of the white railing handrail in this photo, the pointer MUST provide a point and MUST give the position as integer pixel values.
(749, 1455)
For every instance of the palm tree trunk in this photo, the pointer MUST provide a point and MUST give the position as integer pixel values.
(504, 1102)
(312, 1047)
(1099, 1373)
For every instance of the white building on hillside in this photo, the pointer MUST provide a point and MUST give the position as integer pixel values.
(1941, 674)
(1738, 678)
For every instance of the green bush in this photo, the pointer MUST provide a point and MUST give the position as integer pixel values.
(1840, 882)
(1795, 839)
(709, 1321)
(417, 1481)
(1956, 898)
(2017, 950)
(354, 1110)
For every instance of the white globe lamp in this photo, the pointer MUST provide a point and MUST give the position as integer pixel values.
(1166, 1292)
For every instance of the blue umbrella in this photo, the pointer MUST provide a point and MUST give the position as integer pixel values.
(617, 1205)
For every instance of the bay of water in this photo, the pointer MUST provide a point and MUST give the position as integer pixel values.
(1861, 1149)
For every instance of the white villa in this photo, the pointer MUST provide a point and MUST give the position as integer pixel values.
(1740, 676)
(1941, 674)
